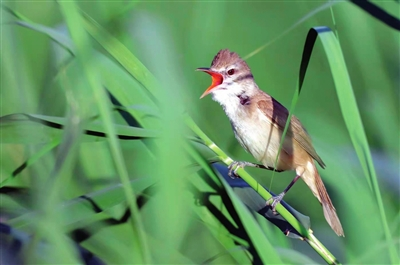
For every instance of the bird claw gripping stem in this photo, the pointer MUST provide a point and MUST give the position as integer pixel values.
(273, 202)
(235, 165)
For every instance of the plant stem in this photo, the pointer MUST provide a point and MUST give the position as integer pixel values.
(306, 233)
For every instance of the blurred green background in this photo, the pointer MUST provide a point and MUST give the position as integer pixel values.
(172, 39)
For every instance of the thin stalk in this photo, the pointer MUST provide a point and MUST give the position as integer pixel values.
(83, 56)
(307, 234)
(295, 25)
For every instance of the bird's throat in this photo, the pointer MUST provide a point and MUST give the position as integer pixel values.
(244, 99)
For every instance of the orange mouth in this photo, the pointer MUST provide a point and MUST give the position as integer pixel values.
(217, 79)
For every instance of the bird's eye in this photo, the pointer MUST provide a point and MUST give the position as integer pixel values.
(231, 71)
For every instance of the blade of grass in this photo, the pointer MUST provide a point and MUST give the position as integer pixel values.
(81, 40)
(312, 240)
(307, 51)
(58, 37)
(352, 118)
(121, 54)
(32, 160)
(294, 25)
(106, 198)
(267, 255)
(379, 13)
(141, 74)
(22, 128)
(294, 257)
(159, 51)
(112, 76)
(349, 110)
(47, 224)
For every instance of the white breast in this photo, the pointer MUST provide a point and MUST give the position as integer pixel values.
(258, 137)
(254, 132)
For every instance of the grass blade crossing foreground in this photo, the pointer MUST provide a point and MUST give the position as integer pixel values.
(140, 72)
(34, 85)
(145, 77)
(83, 55)
(352, 118)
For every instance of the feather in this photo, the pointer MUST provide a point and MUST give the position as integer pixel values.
(278, 115)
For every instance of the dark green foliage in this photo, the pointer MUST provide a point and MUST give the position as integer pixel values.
(99, 162)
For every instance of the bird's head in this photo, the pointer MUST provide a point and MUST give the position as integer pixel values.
(231, 76)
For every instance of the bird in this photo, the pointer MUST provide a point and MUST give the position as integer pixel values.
(258, 122)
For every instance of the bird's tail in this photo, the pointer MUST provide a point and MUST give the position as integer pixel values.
(314, 181)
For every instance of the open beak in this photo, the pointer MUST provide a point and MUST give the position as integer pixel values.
(216, 80)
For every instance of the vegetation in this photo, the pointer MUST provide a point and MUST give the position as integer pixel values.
(108, 155)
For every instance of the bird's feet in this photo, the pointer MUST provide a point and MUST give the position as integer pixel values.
(273, 202)
(234, 166)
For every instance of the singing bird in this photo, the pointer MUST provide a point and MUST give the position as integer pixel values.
(258, 121)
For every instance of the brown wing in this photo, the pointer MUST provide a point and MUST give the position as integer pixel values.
(278, 115)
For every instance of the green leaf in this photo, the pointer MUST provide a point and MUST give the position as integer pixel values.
(121, 54)
(106, 198)
(61, 39)
(352, 118)
(38, 129)
(55, 35)
(84, 57)
(263, 248)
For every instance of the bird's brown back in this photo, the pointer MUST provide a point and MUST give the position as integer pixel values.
(278, 115)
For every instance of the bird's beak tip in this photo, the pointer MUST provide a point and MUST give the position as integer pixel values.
(202, 69)
(216, 80)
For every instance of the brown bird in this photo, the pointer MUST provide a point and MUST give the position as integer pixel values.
(258, 121)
